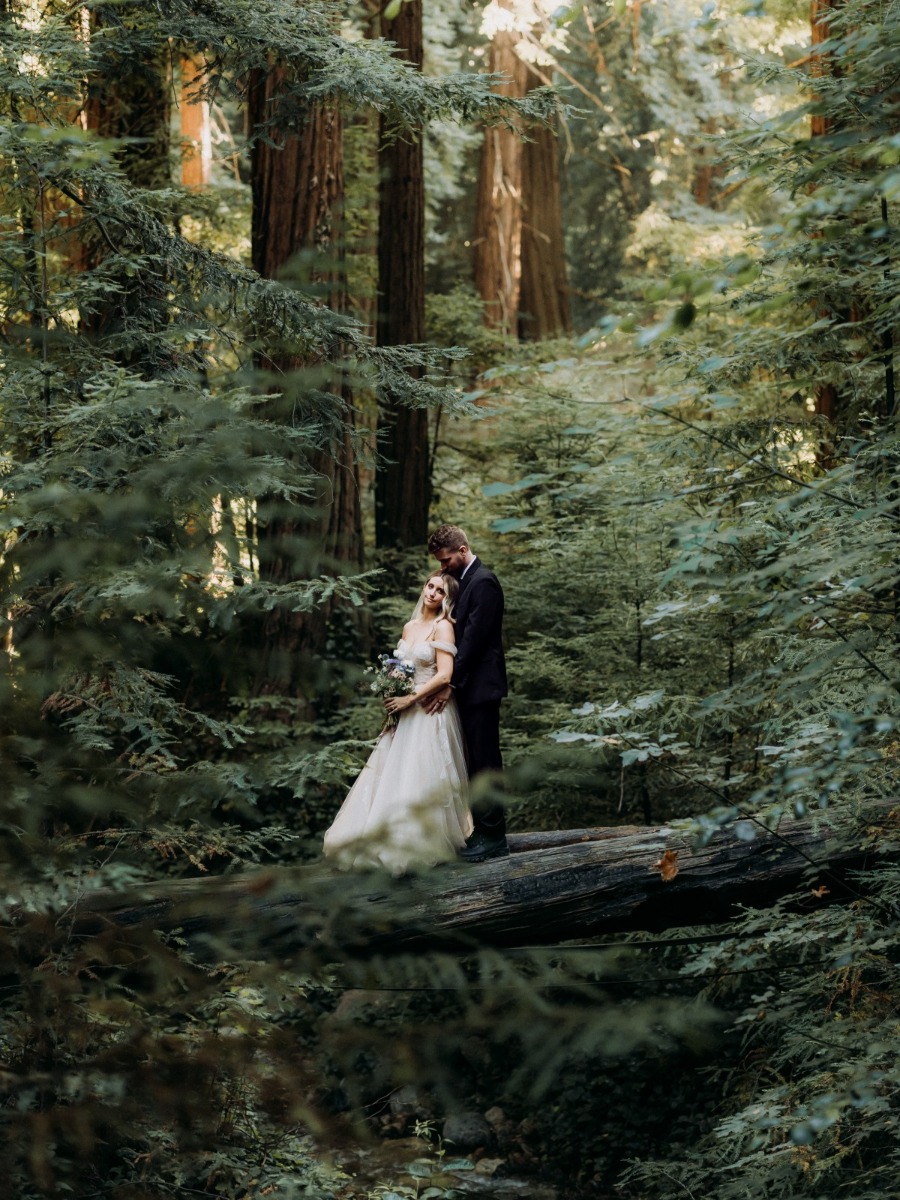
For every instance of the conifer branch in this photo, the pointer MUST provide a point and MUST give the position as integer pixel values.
(757, 461)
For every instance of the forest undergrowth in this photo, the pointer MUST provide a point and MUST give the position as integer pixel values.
(693, 635)
(693, 508)
(698, 628)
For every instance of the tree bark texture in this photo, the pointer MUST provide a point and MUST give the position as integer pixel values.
(544, 296)
(298, 192)
(196, 141)
(821, 64)
(403, 479)
(497, 237)
(127, 101)
(554, 887)
(828, 400)
(832, 402)
(707, 173)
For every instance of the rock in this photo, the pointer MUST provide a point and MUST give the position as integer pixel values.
(410, 1101)
(467, 1131)
(502, 1126)
(488, 1166)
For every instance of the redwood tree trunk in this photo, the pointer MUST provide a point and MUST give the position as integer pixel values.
(544, 297)
(707, 173)
(130, 100)
(297, 200)
(403, 479)
(196, 145)
(827, 397)
(820, 31)
(498, 217)
(127, 102)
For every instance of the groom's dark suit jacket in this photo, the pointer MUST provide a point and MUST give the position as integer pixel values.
(479, 670)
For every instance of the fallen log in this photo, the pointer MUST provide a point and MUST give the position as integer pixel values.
(551, 839)
(553, 887)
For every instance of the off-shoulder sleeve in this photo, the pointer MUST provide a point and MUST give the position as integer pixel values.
(448, 646)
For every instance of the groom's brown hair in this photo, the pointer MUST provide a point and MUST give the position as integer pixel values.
(447, 537)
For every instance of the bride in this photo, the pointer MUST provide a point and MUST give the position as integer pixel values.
(408, 807)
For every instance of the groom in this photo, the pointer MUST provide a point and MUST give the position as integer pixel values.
(479, 677)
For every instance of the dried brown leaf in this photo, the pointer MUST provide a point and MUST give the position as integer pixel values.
(667, 866)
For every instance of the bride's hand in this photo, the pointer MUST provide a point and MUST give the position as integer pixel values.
(437, 702)
(399, 704)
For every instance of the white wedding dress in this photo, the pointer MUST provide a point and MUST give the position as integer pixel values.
(409, 805)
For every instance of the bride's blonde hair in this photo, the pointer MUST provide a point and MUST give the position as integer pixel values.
(451, 591)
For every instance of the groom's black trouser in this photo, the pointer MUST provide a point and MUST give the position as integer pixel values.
(481, 726)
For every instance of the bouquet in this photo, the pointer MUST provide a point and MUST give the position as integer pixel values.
(393, 677)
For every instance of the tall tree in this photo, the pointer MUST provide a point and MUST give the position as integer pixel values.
(822, 124)
(498, 216)
(127, 103)
(109, 442)
(708, 171)
(403, 476)
(544, 297)
(196, 145)
(297, 198)
(128, 99)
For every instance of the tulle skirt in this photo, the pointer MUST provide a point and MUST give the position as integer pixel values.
(409, 804)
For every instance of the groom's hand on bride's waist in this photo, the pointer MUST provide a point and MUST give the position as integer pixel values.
(437, 702)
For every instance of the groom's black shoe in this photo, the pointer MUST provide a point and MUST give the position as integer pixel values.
(480, 846)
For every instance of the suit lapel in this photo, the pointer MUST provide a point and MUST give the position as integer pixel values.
(469, 575)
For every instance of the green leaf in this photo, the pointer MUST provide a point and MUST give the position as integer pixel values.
(716, 363)
(511, 524)
(420, 1170)
(633, 756)
(649, 700)
(504, 489)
